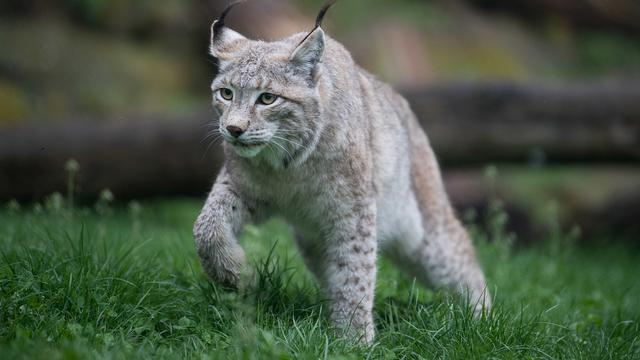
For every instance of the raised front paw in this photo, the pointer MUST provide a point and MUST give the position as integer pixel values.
(222, 263)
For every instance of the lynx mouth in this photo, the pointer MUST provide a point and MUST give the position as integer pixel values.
(246, 145)
(247, 149)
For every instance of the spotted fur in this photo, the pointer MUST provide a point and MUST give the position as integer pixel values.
(342, 157)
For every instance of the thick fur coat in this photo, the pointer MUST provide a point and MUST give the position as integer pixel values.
(314, 138)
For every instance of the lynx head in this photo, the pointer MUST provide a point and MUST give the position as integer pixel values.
(266, 93)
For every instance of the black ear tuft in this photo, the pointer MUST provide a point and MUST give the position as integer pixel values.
(323, 12)
(320, 17)
(222, 36)
(219, 24)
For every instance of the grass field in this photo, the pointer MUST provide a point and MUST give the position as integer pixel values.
(126, 283)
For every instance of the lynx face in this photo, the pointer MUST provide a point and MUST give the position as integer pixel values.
(266, 95)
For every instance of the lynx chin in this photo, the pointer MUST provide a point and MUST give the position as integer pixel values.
(314, 138)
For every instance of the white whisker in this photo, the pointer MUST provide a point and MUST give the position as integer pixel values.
(283, 148)
(287, 140)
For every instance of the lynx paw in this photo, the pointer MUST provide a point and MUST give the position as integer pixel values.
(223, 264)
(357, 327)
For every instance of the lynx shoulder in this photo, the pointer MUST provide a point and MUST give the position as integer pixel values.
(310, 136)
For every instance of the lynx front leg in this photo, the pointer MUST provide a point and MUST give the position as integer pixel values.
(215, 233)
(351, 273)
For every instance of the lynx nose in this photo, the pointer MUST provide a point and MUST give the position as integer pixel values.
(235, 131)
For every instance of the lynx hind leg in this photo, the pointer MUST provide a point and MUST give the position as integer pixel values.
(445, 258)
(450, 261)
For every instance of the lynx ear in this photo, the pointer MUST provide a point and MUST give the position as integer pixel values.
(223, 40)
(309, 52)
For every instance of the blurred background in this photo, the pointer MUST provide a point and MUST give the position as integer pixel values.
(533, 106)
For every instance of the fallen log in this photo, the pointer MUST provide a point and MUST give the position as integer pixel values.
(478, 122)
(469, 124)
(138, 158)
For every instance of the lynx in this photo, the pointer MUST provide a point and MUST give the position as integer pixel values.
(314, 138)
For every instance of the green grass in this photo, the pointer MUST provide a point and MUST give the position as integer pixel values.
(127, 284)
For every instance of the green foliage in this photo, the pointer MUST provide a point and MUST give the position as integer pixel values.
(108, 58)
(126, 283)
(75, 71)
(601, 52)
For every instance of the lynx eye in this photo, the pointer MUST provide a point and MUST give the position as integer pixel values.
(267, 98)
(226, 94)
